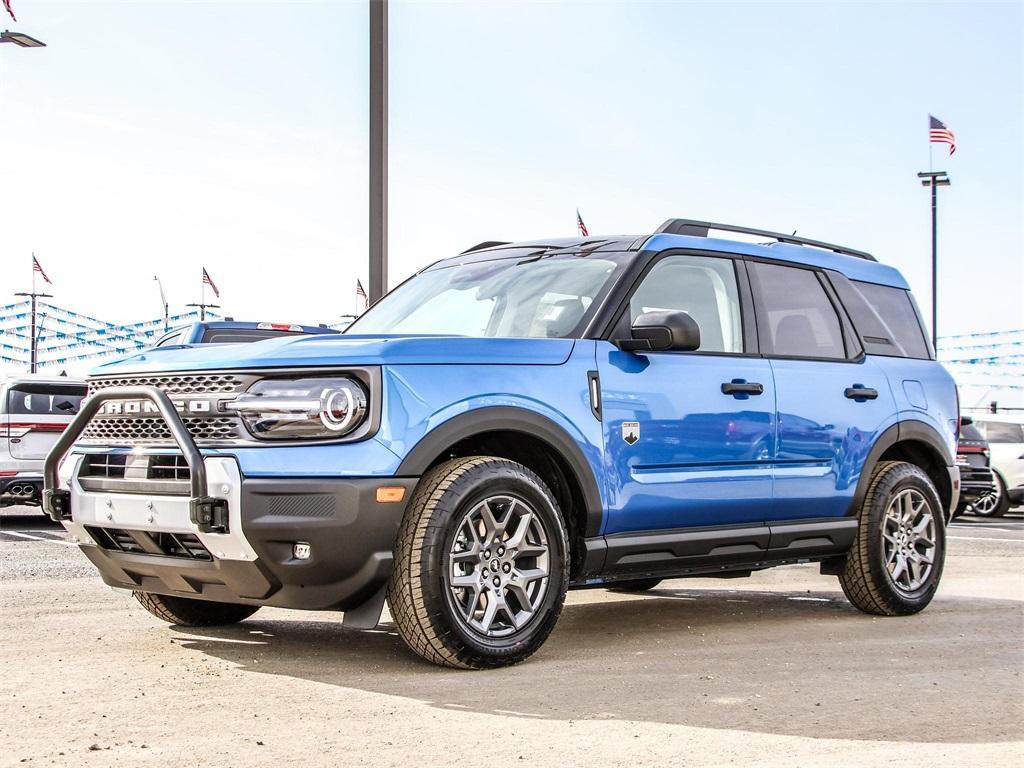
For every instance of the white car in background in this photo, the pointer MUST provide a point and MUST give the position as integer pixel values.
(34, 410)
(1005, 436)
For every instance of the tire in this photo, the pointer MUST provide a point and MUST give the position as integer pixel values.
(996, 504)
(631, 587)
(189, 612)
(447, 537)
(867, 580)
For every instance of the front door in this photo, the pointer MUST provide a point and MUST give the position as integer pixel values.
(689, 436)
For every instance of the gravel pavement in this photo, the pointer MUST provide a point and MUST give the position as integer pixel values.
(777, 669)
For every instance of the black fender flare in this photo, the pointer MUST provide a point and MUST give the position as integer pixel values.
(509, 419)
(901, 431)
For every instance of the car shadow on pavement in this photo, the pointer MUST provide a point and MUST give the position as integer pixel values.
(800, 664)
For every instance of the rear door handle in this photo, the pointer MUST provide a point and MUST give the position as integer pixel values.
(742, 387)
(860, 393)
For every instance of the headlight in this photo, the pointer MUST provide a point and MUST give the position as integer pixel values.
(301, 409)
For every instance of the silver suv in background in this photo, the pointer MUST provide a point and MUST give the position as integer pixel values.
(1005, 436)
(34, 410)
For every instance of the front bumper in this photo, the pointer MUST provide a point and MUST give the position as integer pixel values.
(133, 539)
(219, 535)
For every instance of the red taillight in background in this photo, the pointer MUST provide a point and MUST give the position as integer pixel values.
(20, 429)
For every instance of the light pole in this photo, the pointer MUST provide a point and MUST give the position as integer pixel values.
(378, 149)
(21, 39)
(935, 179)
(32, 344)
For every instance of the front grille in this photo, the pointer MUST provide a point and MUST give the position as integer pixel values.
(199, 398)
(179, 384)
(119, 430)
(160, 543)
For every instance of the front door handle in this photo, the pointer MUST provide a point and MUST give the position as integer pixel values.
(860, 393)
(742, 387)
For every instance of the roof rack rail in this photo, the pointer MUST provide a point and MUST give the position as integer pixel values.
(485, 244)
(701, 228)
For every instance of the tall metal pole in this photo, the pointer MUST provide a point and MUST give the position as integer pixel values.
(935, 179)
(935, 270)
(33, 347)
(378, 149)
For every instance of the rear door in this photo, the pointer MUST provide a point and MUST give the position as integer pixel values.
(833, 401)
(36, 413)
(689, 436)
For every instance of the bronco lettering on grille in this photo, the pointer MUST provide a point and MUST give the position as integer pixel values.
(129, 407)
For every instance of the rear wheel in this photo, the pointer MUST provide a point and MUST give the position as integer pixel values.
(481, 564)
(895, 563)
(635, 586)
(993, 504)
(188, 612)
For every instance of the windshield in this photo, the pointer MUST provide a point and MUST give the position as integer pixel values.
(528, 296)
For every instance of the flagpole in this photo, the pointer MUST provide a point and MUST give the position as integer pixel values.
(202, 301)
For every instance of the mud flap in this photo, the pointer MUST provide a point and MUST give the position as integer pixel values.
(367, 615)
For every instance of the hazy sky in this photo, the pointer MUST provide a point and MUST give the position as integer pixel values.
(156, 137)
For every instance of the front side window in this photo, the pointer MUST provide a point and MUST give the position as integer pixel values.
(702, 286)
(527, 295)
(794, 315)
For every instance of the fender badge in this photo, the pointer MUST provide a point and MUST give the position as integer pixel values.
(631, 431)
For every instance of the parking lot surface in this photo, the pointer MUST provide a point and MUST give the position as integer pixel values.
(777, 669)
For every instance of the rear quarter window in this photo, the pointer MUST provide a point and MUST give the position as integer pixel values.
(885, 318)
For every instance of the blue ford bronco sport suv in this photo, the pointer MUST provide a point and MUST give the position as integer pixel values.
(526, 418)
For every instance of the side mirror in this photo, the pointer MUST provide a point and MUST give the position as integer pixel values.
(966, 421)
(662, 332)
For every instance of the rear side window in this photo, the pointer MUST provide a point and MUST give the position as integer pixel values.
(895, 311)
(1001, 432)
(43, 400)
(795, 317)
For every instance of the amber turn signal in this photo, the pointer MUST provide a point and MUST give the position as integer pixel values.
(390, 493)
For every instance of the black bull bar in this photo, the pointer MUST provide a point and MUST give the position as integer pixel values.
(210, 514)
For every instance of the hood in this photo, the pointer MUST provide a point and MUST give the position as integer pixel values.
(339, 350)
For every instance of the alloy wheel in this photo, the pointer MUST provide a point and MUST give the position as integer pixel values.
(908, 540)
(498, 566)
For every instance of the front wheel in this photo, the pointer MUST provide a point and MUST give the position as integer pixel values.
(481, 564)
(895, 563)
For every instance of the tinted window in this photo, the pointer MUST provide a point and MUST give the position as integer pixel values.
(44, 400)
(895, 310)
(794, 315)
(702, 286)
(1001, 432)
(239, 335)
(171, 340)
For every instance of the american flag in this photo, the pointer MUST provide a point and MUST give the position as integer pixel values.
(361, 294)
(580, 225)
(7, 5)
(37, 268)
(209, 282)
(938, 133)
